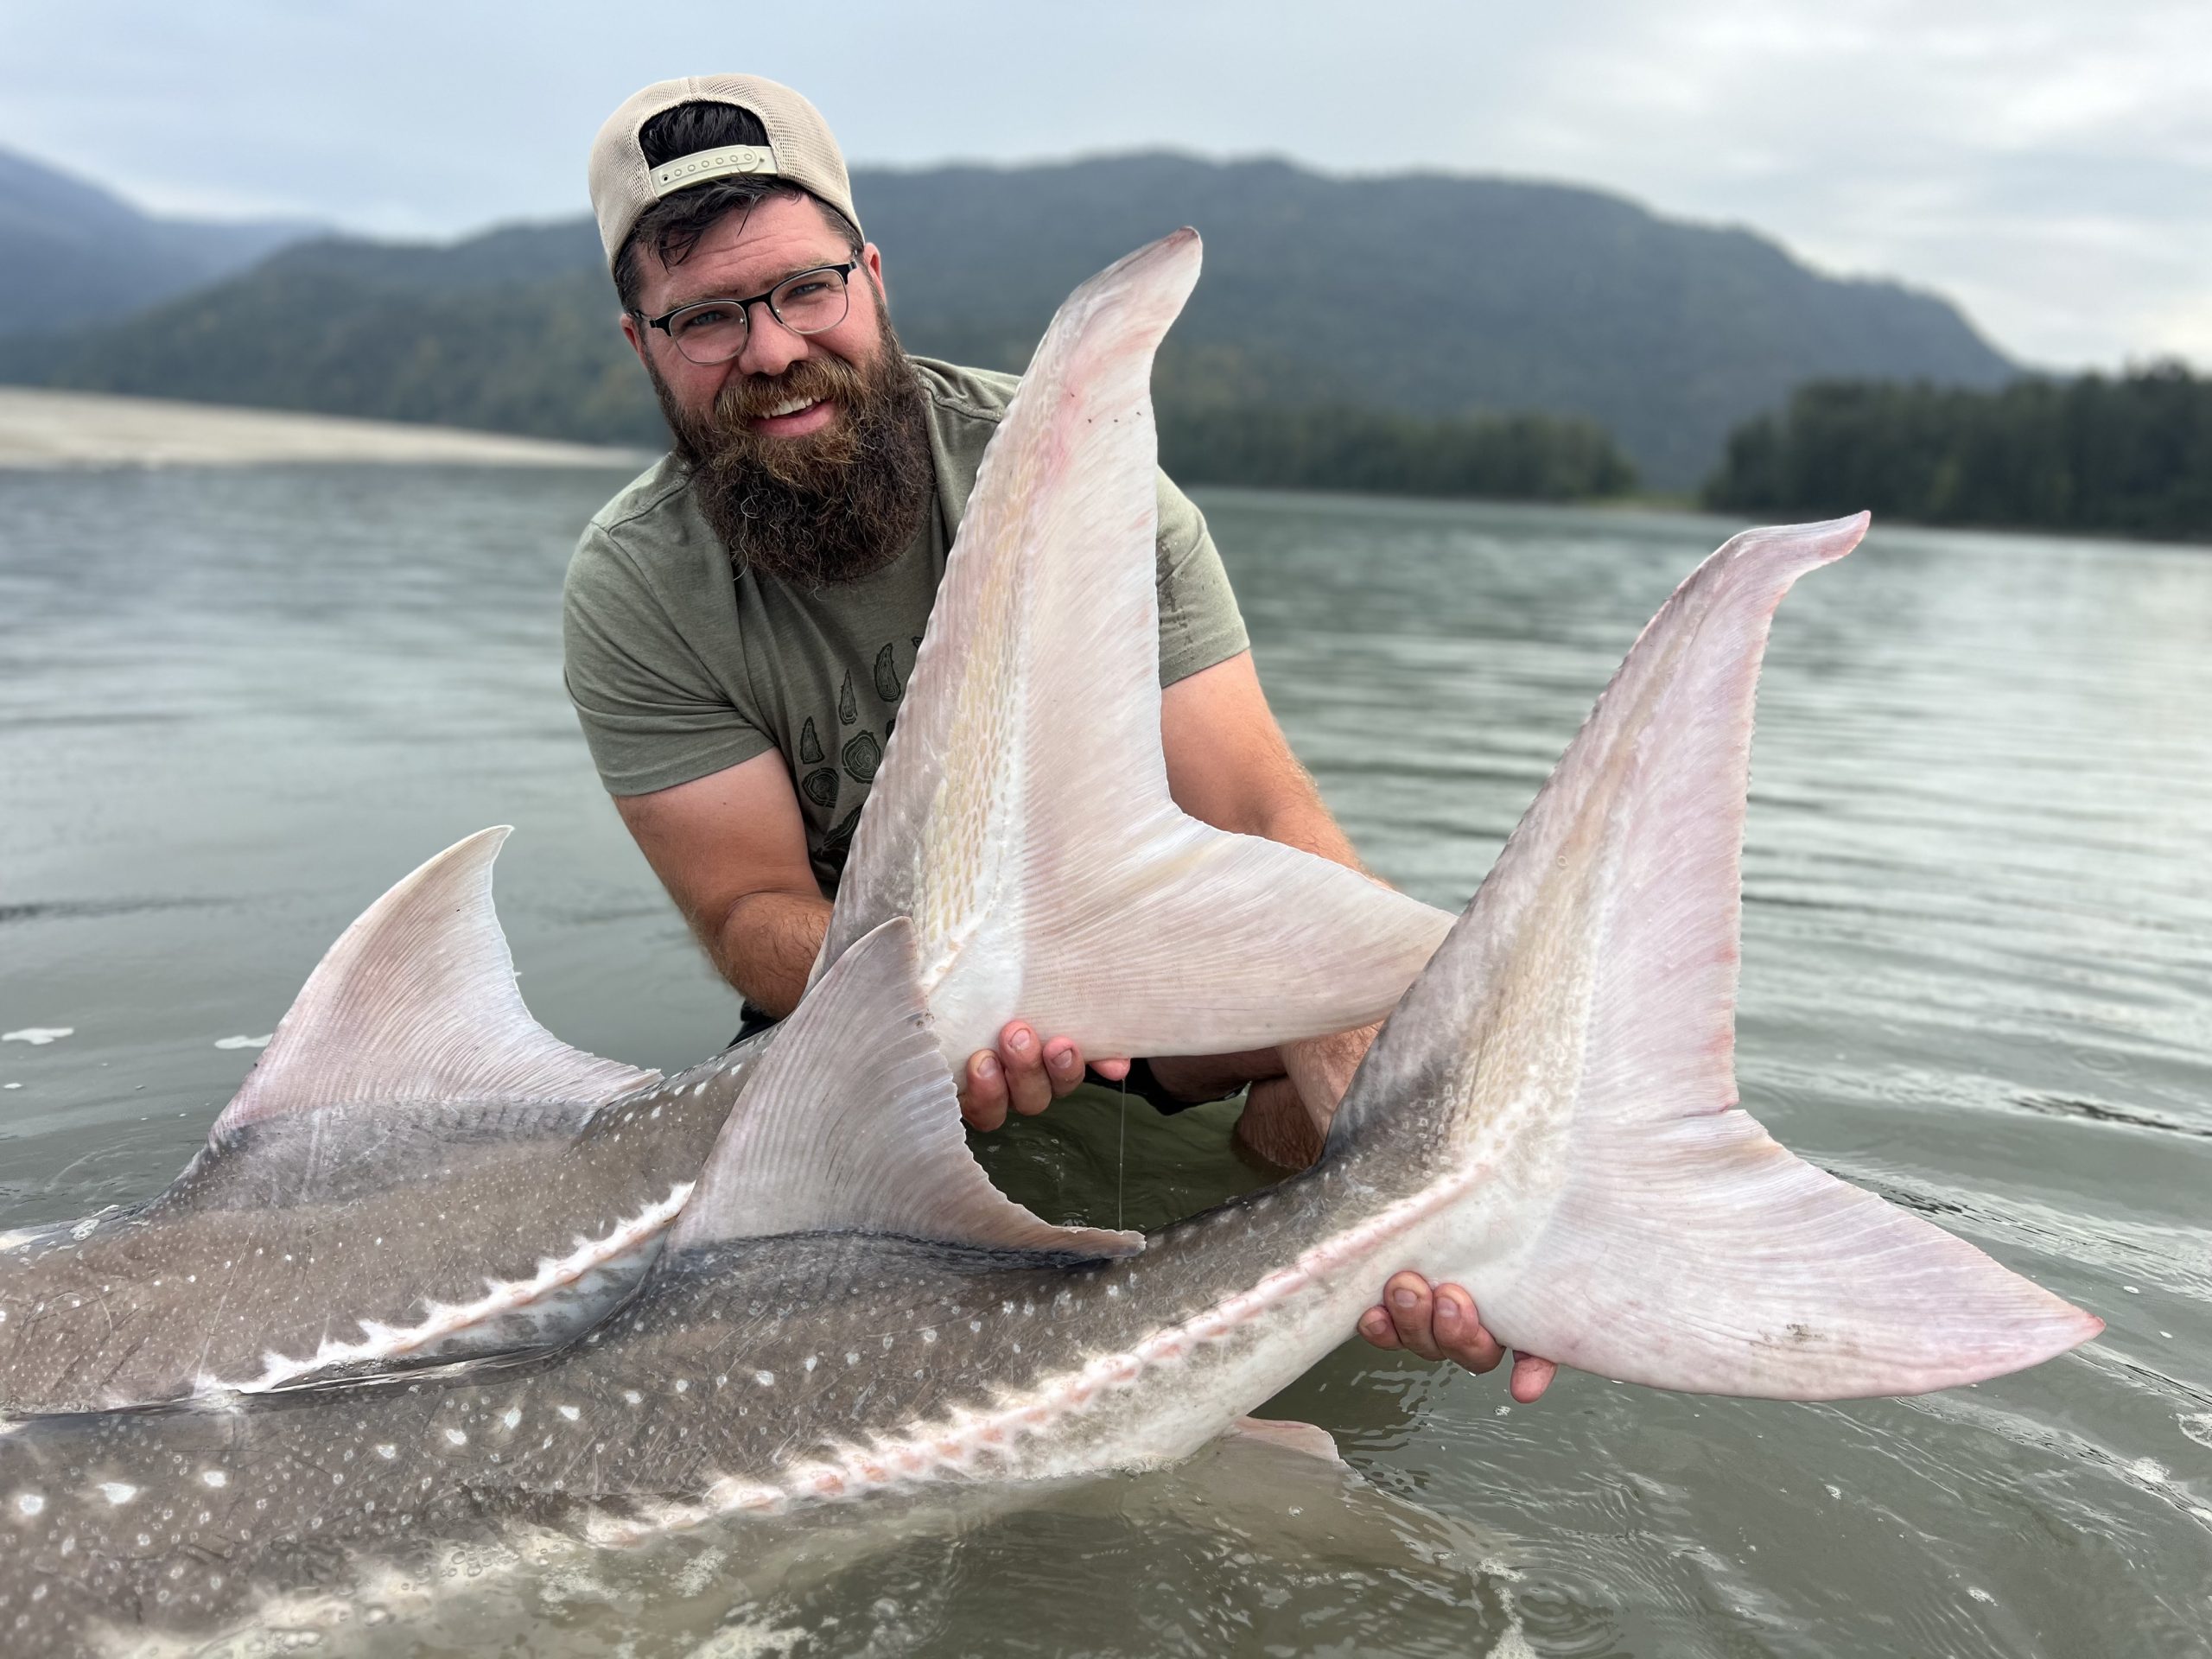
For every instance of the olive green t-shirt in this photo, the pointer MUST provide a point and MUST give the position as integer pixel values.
(680, 665)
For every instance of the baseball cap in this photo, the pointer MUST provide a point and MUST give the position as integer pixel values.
(799, 151)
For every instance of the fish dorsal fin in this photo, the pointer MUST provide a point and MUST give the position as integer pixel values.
(852, 1124)
(417, 1001)
(1021, 816)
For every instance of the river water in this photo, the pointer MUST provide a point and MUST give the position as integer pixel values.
(234, 706)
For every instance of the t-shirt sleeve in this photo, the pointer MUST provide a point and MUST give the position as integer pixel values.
(652, 715)
(1199, 623)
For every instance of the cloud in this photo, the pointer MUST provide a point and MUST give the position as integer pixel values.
(2048, 164)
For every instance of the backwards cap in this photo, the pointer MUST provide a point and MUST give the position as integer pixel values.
(799, 151)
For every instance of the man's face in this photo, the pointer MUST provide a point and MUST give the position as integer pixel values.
(808, 454)
(750, 253)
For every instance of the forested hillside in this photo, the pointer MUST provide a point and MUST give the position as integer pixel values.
(71, 253)
(1421, 296)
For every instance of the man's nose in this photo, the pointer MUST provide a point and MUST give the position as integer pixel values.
(769, 348)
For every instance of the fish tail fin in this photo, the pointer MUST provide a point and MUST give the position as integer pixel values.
(1566, 1058)
(1022, 815)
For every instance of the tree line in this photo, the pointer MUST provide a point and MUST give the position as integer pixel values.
(2130, 453)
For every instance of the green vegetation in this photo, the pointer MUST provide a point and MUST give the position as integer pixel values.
(1519, 457)
(1441, 299)
(2132, 455)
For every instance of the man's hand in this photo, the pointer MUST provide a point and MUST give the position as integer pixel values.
(1442, 1324)
(1025, 1074)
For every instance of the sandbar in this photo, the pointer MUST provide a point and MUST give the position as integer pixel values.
(40, 430)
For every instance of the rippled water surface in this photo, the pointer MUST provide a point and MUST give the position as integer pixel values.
(1978, 979)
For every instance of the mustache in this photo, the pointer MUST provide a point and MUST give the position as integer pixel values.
(814, 379)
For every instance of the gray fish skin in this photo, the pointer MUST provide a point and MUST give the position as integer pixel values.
(356, 1239)
(750, 1375)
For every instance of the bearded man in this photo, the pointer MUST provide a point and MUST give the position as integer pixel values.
(741, 619)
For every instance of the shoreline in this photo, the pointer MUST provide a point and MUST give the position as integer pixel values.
(44, 431)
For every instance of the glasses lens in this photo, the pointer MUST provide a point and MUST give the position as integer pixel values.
(811, 301)
(708, 333)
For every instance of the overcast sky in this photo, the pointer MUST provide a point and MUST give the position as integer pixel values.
(2048, 164)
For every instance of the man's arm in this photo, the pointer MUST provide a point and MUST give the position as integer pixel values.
(731, 849)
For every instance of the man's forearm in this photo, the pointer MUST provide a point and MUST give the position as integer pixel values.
(767, 944)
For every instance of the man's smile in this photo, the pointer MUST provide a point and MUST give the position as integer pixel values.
(795, 418)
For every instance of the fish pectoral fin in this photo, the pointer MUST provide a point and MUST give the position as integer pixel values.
(1023, 816)
(1192, 940)
(852, 1124)
(417, 1001)
(1308, 1440)
(1701, 1255)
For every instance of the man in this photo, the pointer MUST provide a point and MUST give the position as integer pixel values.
(741, 619)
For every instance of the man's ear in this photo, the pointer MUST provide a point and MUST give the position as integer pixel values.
(636, 337)
(872, 256)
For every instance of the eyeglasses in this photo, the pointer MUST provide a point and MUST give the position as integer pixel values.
(715, 331)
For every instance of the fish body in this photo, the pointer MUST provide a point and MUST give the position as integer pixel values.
(416, 1171)
(357, 1239)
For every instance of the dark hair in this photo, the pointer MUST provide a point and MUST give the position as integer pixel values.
(672, 227)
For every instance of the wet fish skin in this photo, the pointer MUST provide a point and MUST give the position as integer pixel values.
(280, 1267)
(750, 1375)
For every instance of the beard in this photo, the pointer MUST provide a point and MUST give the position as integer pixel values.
(827, 506)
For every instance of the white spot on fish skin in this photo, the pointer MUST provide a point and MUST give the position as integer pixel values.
(30, 1502)
(765, 1379)
(974, 1325)
(117, 1492)
(456, 1437)
(812, 1360)
(38, 1036)
(214, 1477)
(929, 1333)
(387, 1453)
(244, 1042)
(570, 1412)
(634, 1397)
(852, 1359)
(683, 1385)
(511, 1416)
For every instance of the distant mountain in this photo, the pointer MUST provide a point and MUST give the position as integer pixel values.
(72, 252)
(1423, 294)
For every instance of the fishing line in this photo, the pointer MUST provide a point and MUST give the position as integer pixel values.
(1120, 1149)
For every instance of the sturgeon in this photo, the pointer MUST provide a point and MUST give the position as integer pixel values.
(416, 1171)
(845, 1308)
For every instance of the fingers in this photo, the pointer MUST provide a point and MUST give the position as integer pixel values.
(1112, 1071)
(1459, 1334)
(1441, 1322)
(1531, 1376)
(983, 1096)
(1021, 1075)
(1412, 1307)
